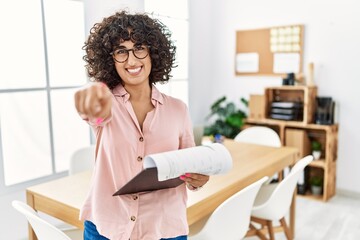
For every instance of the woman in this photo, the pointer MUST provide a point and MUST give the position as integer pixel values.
(126, 54)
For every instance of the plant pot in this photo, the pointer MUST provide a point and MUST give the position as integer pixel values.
(316, 190)
(316, 154)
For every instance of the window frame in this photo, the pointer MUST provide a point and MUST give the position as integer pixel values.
(6, 189)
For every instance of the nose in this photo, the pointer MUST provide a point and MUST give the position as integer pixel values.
(131, 59)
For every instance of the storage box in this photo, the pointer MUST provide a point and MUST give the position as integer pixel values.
(301, 95)
(298, 138)
(257, 107)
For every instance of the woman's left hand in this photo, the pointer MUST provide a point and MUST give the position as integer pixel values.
(194, 179)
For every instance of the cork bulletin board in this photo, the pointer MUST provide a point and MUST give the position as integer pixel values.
(273, 51)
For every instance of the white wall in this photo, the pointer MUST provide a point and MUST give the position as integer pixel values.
(332, 42)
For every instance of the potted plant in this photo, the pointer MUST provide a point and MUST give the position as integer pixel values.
(316, 149)
(316, 184)
(227, 119)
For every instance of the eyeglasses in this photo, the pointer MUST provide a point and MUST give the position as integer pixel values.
(121, 55)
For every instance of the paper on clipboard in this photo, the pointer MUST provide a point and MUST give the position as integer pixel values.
(208, 160)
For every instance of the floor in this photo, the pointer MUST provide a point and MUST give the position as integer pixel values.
(337, 219)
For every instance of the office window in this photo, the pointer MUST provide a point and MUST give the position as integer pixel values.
(174, 14)
(41, 62)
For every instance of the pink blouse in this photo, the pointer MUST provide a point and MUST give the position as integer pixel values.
(121, 146)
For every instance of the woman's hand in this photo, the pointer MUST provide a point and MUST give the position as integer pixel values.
(195, 180)
(93, 101)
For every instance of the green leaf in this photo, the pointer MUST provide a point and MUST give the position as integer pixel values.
(230, 109)
(244, 101)
(315, 145)
(216, 105)
(316, 181)
(228, 119)
(235, 120)
(216, 108)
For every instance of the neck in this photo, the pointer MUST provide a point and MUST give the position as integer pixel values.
(139, 92)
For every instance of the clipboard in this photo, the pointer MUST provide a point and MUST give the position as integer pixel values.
(163, 170)
(147, 180)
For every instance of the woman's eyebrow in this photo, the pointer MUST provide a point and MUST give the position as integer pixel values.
(123, 47)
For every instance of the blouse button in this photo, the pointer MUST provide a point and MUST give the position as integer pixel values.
(141, 139)
(139, 158)
(133, 218)
(135, 197)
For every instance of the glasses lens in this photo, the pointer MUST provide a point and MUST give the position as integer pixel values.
(140, 52)
(121, 55)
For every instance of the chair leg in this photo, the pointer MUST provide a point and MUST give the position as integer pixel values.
(267, 224)
(280, 176)
(254, 231)
(271, 230)
(286, 229)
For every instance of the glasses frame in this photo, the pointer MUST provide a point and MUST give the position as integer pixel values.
(147, 48)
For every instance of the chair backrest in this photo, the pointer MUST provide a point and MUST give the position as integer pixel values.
(82, 159)
(43, 229)
(198, 134)
(231, 219)
(279, 201)
(259, 135)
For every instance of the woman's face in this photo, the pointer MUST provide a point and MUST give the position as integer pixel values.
(134, 70)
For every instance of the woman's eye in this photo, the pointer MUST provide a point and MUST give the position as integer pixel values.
(121, 51)
(139, 48)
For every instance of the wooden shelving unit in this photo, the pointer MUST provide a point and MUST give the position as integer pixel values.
(327, 135)
(301, 94)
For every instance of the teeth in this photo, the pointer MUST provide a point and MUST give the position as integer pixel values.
(134, 70)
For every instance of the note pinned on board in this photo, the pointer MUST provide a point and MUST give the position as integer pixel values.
(286, 62)
(247, 62)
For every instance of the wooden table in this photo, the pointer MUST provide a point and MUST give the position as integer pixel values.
(63, 198)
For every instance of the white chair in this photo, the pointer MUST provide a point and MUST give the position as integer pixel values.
(82, 159)
(198, 134)
(273, 202)
(231, 219)
(259, 135)
(262, 136)
(43, 229)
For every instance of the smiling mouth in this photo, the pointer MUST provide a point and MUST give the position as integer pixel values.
(134, 71)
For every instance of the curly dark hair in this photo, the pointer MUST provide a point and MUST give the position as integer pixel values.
(139, 28)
